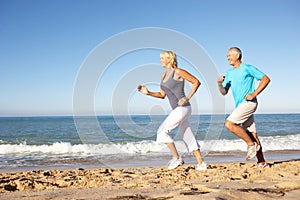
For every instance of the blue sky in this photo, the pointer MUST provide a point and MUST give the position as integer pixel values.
(43, 44)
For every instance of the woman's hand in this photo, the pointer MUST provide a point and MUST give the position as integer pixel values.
(183, 101)
(143, 89)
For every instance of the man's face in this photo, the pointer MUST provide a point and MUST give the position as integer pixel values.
(232, 57)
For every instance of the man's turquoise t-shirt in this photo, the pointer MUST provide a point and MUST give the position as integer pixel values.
(241, 81)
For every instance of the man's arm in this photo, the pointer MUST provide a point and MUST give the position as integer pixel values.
(223, 90)
(264, 81)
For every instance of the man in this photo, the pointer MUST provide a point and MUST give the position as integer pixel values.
(240, 79)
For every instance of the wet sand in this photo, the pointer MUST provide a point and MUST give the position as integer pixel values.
(236, 180)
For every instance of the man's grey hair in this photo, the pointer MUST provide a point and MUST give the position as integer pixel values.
(237, 50)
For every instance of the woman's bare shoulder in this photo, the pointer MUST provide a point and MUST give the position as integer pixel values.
(179, 70)
(178, 74)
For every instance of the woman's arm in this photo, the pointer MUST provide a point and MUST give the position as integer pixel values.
(143, 89)
(161, 94)
(190, 78)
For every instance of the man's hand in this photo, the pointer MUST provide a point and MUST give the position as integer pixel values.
(221, 79)
(250, 97)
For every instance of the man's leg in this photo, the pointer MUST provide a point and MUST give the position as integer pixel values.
(240, 115)
(259, 154)
(239, 131)
(250, 128)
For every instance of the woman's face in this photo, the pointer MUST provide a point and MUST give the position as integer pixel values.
(164, 60)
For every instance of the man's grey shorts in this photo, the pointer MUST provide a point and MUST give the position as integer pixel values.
(243, 115)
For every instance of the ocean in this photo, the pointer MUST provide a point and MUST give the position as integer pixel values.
(128, 141)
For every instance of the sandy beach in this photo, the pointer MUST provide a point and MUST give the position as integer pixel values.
(238, 180)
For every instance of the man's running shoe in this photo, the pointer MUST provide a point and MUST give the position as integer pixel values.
(251, 151)
(263, 165)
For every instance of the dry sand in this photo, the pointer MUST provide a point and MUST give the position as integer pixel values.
(221, 181)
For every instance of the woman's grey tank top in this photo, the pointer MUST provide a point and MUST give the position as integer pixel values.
(174, 90)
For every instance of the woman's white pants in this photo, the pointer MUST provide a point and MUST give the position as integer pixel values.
(178, 118)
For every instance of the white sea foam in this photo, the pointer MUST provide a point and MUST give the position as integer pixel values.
(291, 142)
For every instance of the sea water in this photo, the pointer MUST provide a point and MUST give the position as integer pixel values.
(66, 142)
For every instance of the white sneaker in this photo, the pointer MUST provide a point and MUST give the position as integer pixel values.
(201, 167)
(252, 150)
(175, 162)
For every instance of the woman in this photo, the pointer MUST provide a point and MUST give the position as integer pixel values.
(172, 86)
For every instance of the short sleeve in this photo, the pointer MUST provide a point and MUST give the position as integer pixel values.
(256, 73)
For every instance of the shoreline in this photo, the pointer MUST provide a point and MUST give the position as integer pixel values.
(158, 160)
(236, 180)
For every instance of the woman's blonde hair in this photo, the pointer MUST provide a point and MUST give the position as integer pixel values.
(172, 56)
